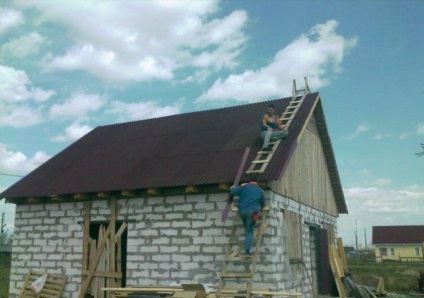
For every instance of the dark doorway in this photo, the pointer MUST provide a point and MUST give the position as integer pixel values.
(320, 261)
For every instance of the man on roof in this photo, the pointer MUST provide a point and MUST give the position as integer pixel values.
(271, 128)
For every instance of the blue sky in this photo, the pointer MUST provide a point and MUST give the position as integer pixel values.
(68, 67)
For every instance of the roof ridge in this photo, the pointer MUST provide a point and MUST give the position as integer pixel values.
(198, 111)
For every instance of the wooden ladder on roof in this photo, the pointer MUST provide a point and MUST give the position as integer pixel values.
(263, 158)
(234, 258)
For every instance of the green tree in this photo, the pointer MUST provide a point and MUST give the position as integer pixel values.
(6, 238)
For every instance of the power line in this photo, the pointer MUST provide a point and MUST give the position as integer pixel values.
(13, 175)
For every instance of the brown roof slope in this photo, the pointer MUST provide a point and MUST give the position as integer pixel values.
(397, 234)
(188, 149)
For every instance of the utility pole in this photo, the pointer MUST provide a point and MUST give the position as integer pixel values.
(356, 235)
(365, 233)
(2, 224)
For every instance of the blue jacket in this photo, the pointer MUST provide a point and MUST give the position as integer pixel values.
(251, 196)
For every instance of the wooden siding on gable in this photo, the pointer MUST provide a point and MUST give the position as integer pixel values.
(306, 178)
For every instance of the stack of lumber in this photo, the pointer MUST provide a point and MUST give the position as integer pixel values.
(183, 291)
(187, 291)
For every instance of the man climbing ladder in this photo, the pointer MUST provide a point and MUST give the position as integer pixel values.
(250, 202)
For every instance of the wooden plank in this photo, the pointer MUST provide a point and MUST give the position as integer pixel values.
(26, 284)
(119, 258)
(146, 289)
(93, 264)
(185, 294)
(111, 266)
(92, 254)
(240, 169)
(277, 293)
(86, 236)
(342, 254)
(104, 274)
(120, 231)
(336, 271)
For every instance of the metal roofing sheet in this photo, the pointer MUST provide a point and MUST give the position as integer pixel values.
(397, 234)
(187, 149)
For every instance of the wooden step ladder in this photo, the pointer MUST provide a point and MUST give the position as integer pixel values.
(233, 258)
(263, 158)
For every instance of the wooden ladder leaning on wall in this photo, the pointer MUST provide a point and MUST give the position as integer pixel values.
(233, 258)
(233, 269)
(263, 158)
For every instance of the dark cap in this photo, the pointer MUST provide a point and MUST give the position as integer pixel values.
(253, 176)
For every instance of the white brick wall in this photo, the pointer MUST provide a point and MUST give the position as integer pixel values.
(171, 240)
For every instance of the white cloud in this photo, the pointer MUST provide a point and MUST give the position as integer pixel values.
(24, 46)
(119, 45)
(77, 106)
(18, 163)
(9, 18)
(14, 87)
(375, 206)
(21, 116)
(374, 199)
(227, 35)
(360, 129)
(13, 84)
(141, 110)
(17, 99)
(73, 132)
(420, 128)
(316, 55)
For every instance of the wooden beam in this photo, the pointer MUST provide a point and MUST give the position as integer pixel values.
(129, 193)
(153, 191)
(223, 186)
(81, 196)
(192, 189)
(32, 200)
(113, 216)
(342, 254)
(120, 231)
(86, 236)
(58, 198)
(103, 195)
(103, 274)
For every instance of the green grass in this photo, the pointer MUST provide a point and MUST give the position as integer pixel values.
(4, 275)
(398, 277)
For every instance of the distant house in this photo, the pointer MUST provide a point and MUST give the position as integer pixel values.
(398, 243)
(140, 203)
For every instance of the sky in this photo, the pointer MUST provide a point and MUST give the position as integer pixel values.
(67, 67)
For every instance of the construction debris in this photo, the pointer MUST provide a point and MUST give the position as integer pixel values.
(346, 286)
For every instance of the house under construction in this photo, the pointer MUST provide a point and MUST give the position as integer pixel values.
(140, 203)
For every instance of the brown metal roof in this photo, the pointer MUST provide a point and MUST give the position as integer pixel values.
(397, 234)
(188, 149)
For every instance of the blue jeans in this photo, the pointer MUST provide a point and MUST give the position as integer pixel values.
(272, 135)
(246, 217)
